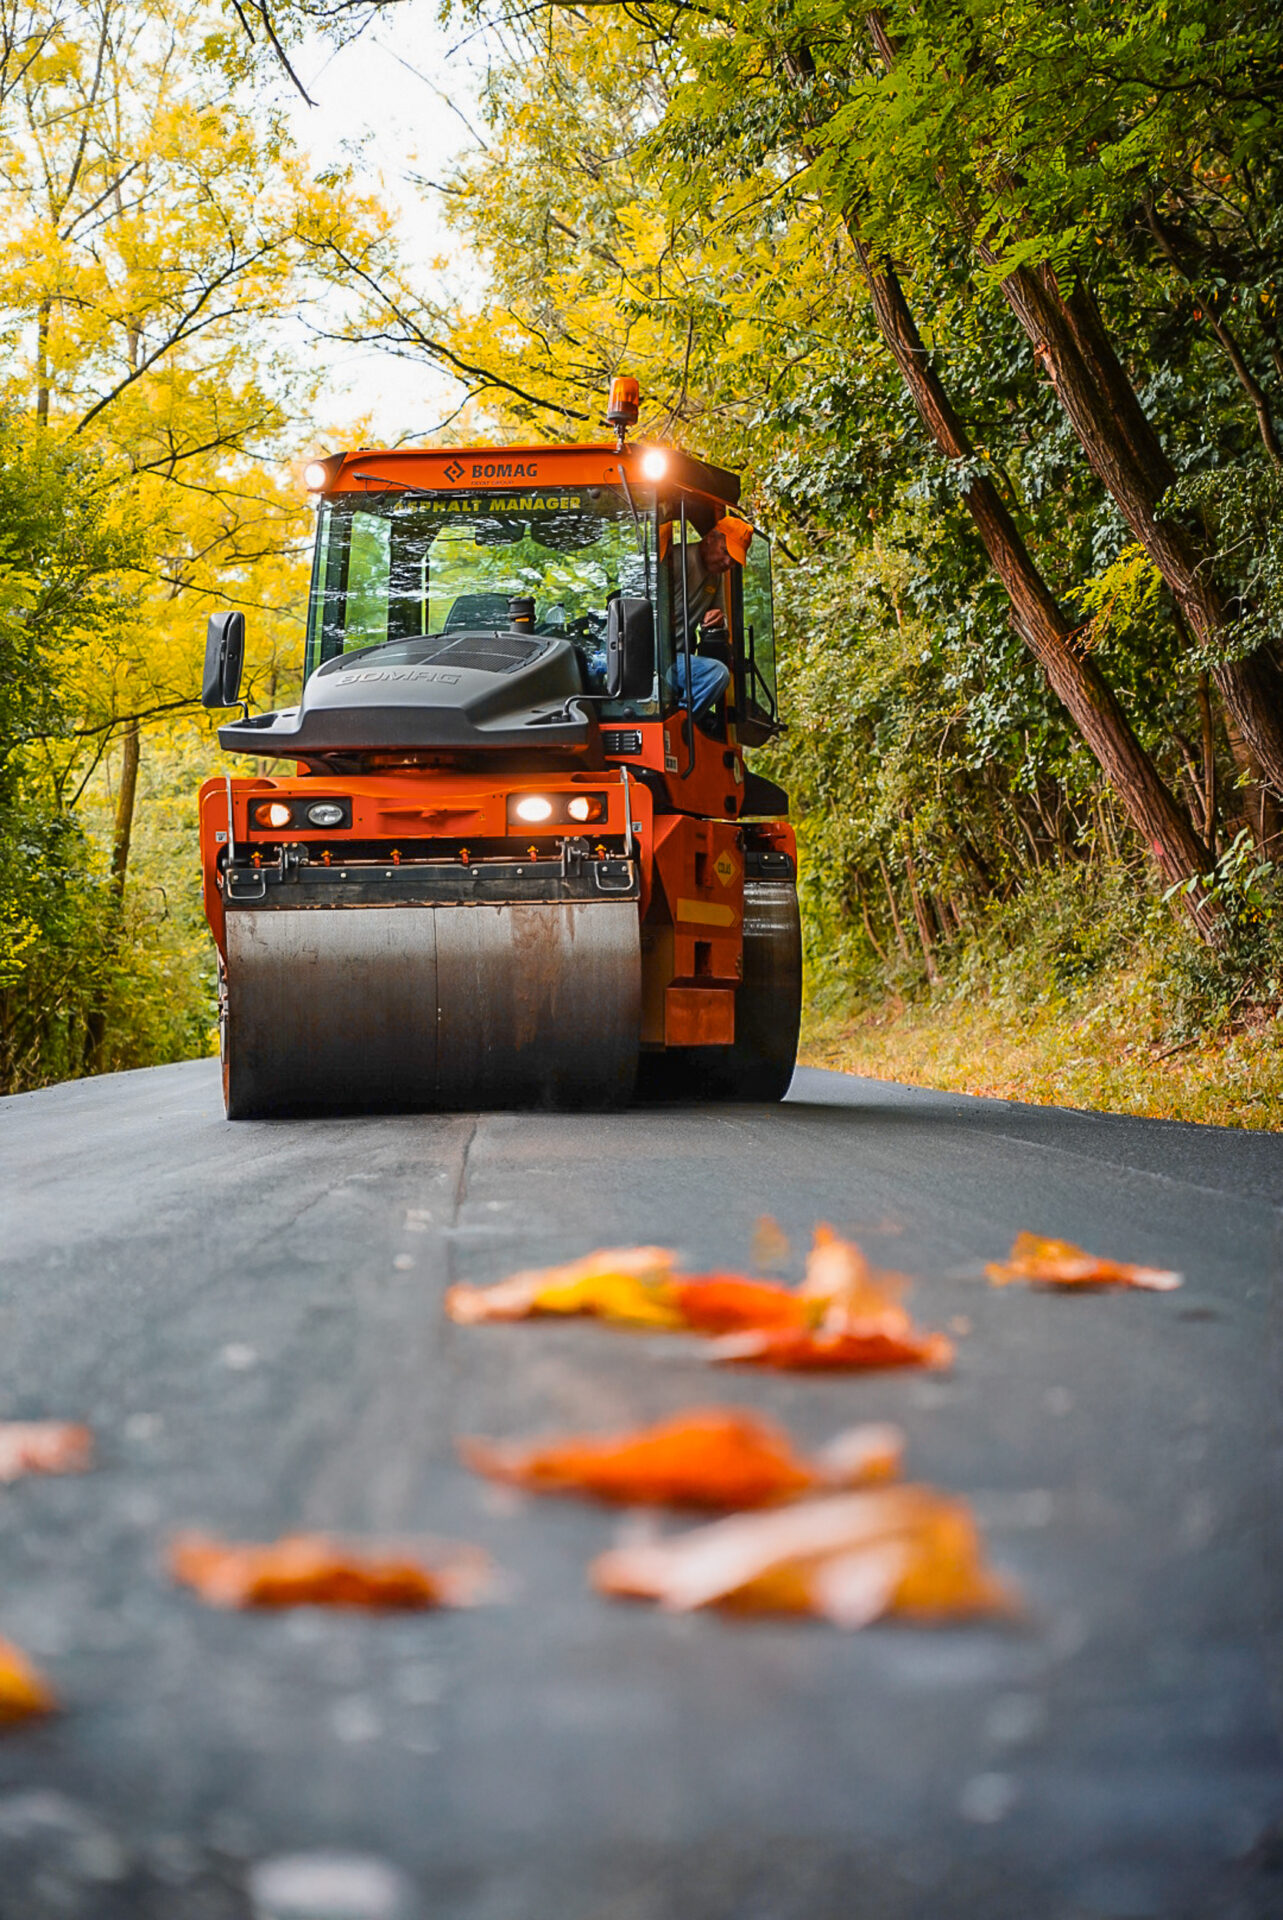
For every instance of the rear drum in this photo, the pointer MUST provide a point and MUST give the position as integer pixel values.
(768, 1014)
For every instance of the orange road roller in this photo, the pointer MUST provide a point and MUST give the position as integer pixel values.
(510, 854)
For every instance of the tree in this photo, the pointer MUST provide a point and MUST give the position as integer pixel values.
(163, 247)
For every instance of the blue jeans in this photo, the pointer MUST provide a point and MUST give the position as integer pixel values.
(709, 681)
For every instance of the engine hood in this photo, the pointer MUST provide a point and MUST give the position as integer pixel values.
(481, 689)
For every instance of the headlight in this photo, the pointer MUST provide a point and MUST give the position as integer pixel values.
(554, 810)
(533, 808)
(654, 463)
(314, 477)
(300, 813)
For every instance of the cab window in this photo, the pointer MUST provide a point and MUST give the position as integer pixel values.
(759, 715)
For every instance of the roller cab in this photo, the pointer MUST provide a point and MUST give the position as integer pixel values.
(506, 850)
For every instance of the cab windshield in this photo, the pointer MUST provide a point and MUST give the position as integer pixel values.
(394, 567)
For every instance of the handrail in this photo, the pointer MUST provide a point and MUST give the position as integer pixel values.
(628, 815)
(686, 653)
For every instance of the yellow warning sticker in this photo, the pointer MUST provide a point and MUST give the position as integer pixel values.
(726, 866)
(705, 913)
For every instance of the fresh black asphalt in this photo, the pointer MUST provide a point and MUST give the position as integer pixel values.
(250, 1318)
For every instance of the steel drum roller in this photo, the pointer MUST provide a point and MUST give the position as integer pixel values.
(348, 1009)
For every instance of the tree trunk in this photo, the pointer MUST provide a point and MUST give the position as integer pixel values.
(1260, 808)
(920, 915)
(1074, 677)
(42, 364)
(125, 810)
(1208, 731)
(127, 794)
(900, 940)
(874, 942)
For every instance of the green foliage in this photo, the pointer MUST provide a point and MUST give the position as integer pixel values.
(64, 573)
(1243, 510)
(1204, 988)
(63, 581)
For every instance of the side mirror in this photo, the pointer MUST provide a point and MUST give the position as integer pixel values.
(224, 658)
(630, 649)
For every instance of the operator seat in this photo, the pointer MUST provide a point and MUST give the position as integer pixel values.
(472, 610)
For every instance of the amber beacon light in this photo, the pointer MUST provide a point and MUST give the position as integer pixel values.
(624, 405)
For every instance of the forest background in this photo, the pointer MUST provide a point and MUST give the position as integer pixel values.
(983, 300)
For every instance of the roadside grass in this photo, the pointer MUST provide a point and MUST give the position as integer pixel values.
(1107, 1055)
(1083, 990)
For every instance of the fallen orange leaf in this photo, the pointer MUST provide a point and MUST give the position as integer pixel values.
(616, 1283)
(849, 1291)
(802, 1350)
(851, 1558)
(770, 1244)
(43, 1446)
(723, 1302)
(708, 1457)
(856, 1319)
(309, 1570)
(841, 1295)
(24, 1692)
(1057, 1263)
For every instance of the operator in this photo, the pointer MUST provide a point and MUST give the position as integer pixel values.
(707, 567)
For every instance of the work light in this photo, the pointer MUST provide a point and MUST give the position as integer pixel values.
(533, 808)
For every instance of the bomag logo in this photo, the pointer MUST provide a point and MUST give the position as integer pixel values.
(406, 673)
(454, 471)
(505, 470)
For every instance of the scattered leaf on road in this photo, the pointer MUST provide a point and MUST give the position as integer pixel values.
(850, 1292)
(708, 1457)
(831, 1348)
(857, 1320)
(309, 1570)
(1057, 1263)
(770, 1245)
(845, 1314)
(43, 1446)
(850, 1558)
(616, 1283)
(24, 1693)
(724, 1302)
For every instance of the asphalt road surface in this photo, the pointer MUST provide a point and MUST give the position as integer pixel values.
(250, 1318)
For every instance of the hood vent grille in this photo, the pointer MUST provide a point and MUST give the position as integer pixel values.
(490, 652)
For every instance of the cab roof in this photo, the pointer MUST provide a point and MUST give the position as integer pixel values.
(459, 469)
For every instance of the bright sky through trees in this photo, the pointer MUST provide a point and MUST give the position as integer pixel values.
(398, 104)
